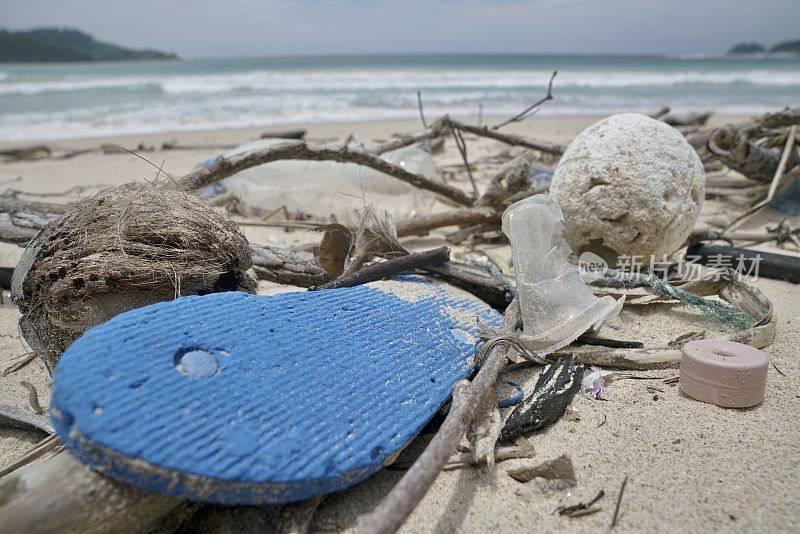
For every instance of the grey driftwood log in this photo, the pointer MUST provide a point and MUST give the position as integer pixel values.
(61, 495)
(737, 151)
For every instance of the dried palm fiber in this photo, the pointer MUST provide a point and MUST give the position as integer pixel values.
(118, 250)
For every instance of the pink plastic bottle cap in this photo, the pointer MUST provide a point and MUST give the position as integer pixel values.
(724, 373)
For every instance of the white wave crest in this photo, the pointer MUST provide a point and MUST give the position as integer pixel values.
(326, 80)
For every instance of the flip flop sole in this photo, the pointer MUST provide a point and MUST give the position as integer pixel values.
(240, 399)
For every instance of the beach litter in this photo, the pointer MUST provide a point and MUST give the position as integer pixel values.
(724, 373)
(552, 475)
(127, 237)
(553, 392)
(629, 185)
(327, 189)
(557, 307)
(119, 250)
(593, 384)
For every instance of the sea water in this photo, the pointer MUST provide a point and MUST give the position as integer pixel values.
(81, 99)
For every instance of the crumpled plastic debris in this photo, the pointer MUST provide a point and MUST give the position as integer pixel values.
(328, 188)
(594, 384)
(554, 390)
(557, 306)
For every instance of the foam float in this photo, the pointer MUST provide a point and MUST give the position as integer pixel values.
(240, 399)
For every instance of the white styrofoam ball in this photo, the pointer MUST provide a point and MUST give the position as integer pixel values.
(631, 184)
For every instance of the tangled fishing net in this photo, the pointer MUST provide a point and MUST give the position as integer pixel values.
(118, 250)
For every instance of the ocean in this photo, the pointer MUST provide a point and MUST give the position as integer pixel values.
(95, 99)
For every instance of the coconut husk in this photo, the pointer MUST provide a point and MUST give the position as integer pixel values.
(121, 249)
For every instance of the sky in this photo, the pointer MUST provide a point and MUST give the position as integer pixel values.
(224, 28)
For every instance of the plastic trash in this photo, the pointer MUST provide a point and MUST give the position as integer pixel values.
(328, 188)
(557, 306)
(725, 373)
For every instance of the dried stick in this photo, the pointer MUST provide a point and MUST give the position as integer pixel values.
(530, 109)
(287, 266)
(223, 167)
(421, 112)
(462, 149)
(464, 459)
(776, 181)
(404, 141)
(62, 495)
(395, 266)
(517, 140)
(407, 493)
(443, 125)
(424, 224)
(619, 501)
(40, 449)
(25, 218)
(25, 359)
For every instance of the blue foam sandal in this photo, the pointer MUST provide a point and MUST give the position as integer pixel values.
(240, 399)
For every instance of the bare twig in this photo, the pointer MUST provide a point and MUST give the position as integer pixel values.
(443, 125)
(25, 359)
(404, 141)
(533, 107)
(223, 167)
(405, 495)
(619, 501)
(612, 343)
(462, 149)
(463, 459)
(395, 266)
(517, 140)
(39, 450)
(424, 224)
(581, 508)
(421, 112)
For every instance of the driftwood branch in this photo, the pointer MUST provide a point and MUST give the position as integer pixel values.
(512, 178)
(735, 149)
(223, 167)
(407, 493)
(20, 220)
(424, 224)
(61, 495)
(462, 149)
(509, 139)
(389, 268)
(443, 125)
(287, 266)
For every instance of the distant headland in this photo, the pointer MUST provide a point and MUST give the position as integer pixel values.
(50, 45)
(786, 47)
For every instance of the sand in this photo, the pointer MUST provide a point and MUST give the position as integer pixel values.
(690, 466)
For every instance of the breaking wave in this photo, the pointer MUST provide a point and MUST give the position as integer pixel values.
(104, 99)
(361, 80)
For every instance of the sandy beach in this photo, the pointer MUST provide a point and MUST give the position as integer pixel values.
(691, 466)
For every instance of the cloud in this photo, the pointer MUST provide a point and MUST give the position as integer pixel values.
(203, 28)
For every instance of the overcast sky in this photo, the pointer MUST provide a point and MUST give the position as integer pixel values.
(213, 28)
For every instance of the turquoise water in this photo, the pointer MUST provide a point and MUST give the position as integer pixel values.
(72, 100)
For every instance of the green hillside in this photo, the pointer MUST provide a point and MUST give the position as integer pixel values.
(787, 46)
(63, 44)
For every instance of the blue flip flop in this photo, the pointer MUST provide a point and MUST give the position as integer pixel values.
(241, 399)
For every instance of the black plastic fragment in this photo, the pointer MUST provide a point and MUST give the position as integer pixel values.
(554, 389)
